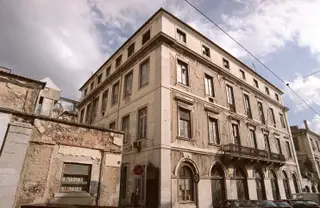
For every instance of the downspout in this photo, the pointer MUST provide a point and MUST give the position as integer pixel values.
(100, 177)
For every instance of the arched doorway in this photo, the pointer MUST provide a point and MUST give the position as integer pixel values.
(217, 184)
(274, 185)
(260, 188)
(307, 189)
(241, 182)
(313, 188)
(187, 186)
(286, 185)
(295, 183)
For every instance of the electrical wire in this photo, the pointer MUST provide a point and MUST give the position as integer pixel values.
(251, 54)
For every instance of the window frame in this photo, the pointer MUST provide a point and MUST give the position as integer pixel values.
(277, 96)
(146, 34)
(243, 74)
(104, 102)
(247, 105)
(273, 118)
(113, 123)
(193, 189)
(209, 78)
(206, 51)
(99, 79)
(131, 49)
(236, 139)
(296, 143)
(217, 134)
(182, 34)
(232, 106)
(108, 71)
(278, 145)
(282, 121)
(190, 131)
(95, 105)
(145, 61)
(261, 112)
(267, 90)
(139, 136)
(118, 61)
(126, 131)
(81, 115)
(126, 86)
(289, 151)
(256, 83)
(182, 64)
(225, 63)
(88, 113)
(254, 138)
(92, 86)
(113, 100)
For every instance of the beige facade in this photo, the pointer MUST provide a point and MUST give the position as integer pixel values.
(190, 119)
(307, 146)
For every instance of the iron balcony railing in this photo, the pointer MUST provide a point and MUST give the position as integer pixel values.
(249, 152)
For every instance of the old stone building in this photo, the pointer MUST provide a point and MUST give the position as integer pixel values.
(200, 126)
(50, 160)
(307, 146)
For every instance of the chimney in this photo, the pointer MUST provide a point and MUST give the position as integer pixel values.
(306, 124)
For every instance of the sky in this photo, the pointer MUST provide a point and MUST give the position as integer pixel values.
(69, 40)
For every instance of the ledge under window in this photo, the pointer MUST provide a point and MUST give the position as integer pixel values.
(186, 139)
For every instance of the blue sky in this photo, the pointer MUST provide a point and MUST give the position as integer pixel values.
(69, 40)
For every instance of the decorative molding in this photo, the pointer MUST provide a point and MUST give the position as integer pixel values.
(235, 116)
(252, 123)
(186, 100)
(212, 109)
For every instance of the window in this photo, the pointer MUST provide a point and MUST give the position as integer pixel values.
(261, 114)
(209, 85)
(181, 36)
(123, 184)
(277, 96)
(126, 128)
(91, 86)
(205, 50)
(144, 73)
(273, 119)
(128, 84)
(186, 184)
(145, 37)
(267, 143)
(225, 63)
(217, 185)
(85, 92)
(243, 75)
(39, 105)
(75, 178)
(253, 139)
(118, 61)
(112, 125)
(247, 105)
(235, 134)
(241, 183)
(115, 93)
(288, 149)
(99, 78)
(213, 131)
(182, 73)
(261, 193)
(278, 144)
(81, 116)
(295, 183)
(95, 108)
(104, 101)
(140, 185)
(230, 97)
(142, 123)
(274, 185)
(131, 50)
(312, 144)
(296, 143)
(88, 113)
(318, 145)
(282, 120)
(108, 71)
(267, 90)
(256, 83)
(286, 185)
(184, 123)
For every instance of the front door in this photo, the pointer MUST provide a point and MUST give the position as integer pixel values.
(152, 192)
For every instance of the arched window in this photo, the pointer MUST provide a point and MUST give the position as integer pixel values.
(307, 189)
(186, 183)
(217, 185)
(286, 185)
(313, 188)
(274, 185)
(261, 193)
(295, 183)
(241, 181)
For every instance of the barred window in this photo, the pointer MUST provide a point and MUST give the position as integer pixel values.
(76, 178)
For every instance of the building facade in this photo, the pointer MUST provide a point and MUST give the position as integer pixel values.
(307, 146)
(45, 159)
(200, 126)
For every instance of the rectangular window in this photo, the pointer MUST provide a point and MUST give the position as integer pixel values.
(273, 119)
(278, 144)
(230, 97)
(104, 101)
(99, 79)
(209, 85)
(213, 131)
(184, 123)
(39, 106)
(267, 143)
(91, 86)
(115, 93)
(125, 128)
(118, 61)
(296, 143)
(182, 73)
(181, 36)
(247, 105)
(142, 123)
(267, 90)
(123, 184)
(145, 37)
(144, 73)
(81, 116)
(75, 178)
(85, 92)
(131, 50)
(112, 125)
(243, 74)
(108, 71)
(277, 96)
(225, 63)
(261, 114)
(235, 134)
(288, 149)
(128, 84)
(205, 50)
(282, 120)
(312, 144)
(318, 145)
(253, 139)
(88, 113)
(95, 108)
(256, 83)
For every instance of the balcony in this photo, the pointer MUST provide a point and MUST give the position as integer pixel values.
(232, 152)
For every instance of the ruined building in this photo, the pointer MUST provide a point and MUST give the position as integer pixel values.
(51, 159)
(200, 126)
(307, 146)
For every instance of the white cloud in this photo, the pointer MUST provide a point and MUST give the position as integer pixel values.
(314, 124)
